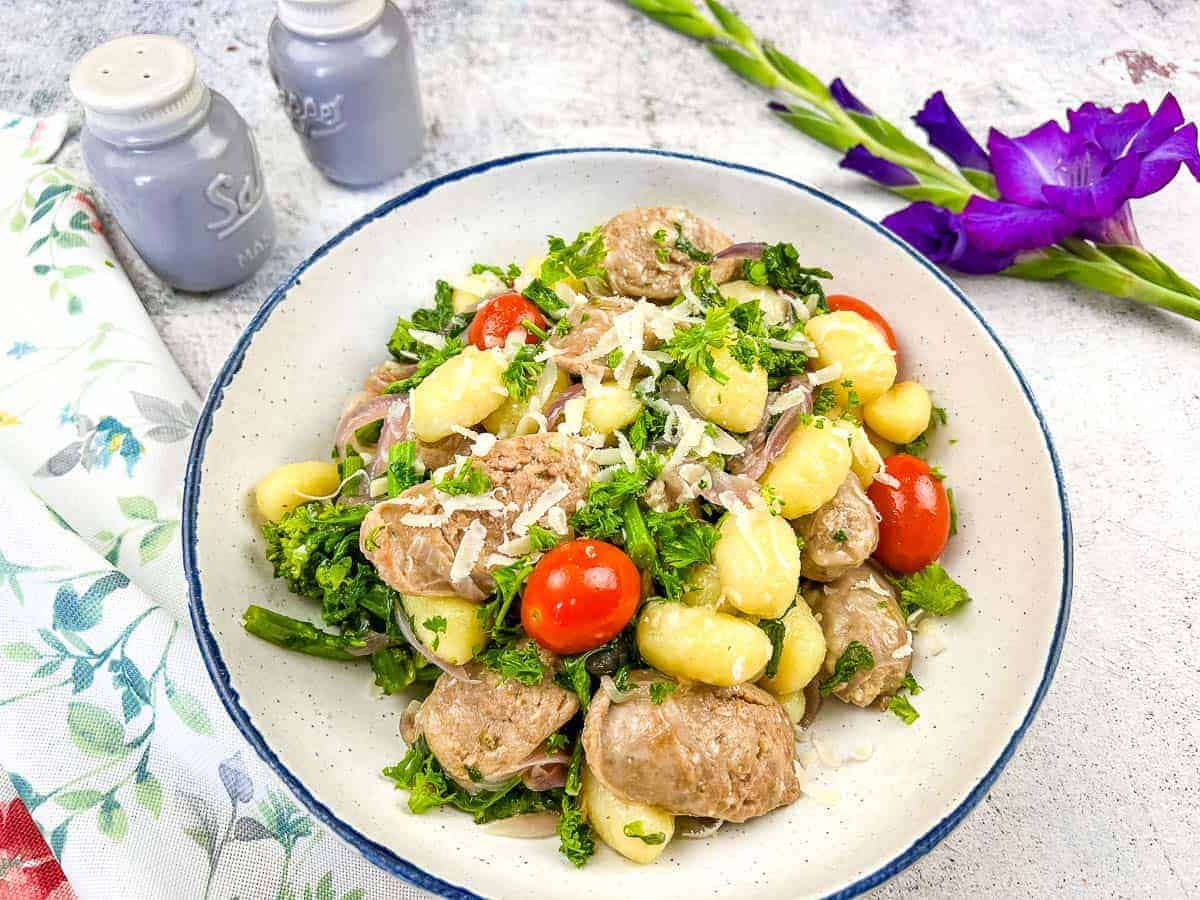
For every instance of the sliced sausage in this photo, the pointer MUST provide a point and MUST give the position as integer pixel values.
(412, 540)
(840, 535)
(862, 606)
(723, 753)
(588, 324)
(633, 264)
(492, 725)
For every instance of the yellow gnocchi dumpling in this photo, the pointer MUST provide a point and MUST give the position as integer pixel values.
(701, 644)
(623, 825)
(449, 626)
(811, 468)
(900, 414)
(758, 562)
(610, 407)
(512, 418)
(292, 485)
(802, 655)
(868, 363)
(462, 391)
(738, 403)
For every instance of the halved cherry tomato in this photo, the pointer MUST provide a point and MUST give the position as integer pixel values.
(497, 318)
(580, 595)
(915, 517)
(868, 312)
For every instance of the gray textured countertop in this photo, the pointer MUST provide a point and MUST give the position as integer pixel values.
(1101, 798)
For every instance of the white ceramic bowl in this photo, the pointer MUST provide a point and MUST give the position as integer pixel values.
(316, 722)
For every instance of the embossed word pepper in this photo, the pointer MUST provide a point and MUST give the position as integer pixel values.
(348, 83)
(174, 161)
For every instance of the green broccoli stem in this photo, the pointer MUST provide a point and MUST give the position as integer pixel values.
(298, 635)
(638, 542)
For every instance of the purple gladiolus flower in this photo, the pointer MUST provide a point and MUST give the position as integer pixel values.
(940, 235)
(845, 99)
(860, 159)
(1080, 181)
(948, 134)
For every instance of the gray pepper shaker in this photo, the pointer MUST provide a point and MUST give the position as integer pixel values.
(174, 161)
(347, 79)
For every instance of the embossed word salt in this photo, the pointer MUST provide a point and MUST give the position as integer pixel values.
(348, 82)
(174, 161)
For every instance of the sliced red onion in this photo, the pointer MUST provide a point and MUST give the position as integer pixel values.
(545, 778)
(458, 672)
(387, 372)
(395, 429)
(728, 491)
(543, 758)
(763, 446)
(696, 827)
(554, 412)
(530, 825)
(408, 721)
(615, 694)
(751, 250)
(368, 410)
(812, 702)
(373, 641)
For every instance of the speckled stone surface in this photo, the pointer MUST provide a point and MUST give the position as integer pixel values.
(1101, 798)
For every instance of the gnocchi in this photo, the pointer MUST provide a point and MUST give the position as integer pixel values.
(774, 306)
(758, 562)
(609, 817)
(736, 405)
(868, 363)
(794, 705)
(457, 637)
(900, 414)
(865, 459)
(610, 407)
(701, 644)
(462, 391)
(703, 586)
(292, 485)
(471, 289)
(802, 655)
(811, 468)
(513, 418)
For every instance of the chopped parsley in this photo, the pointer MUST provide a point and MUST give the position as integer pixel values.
(953, 511)
(523, 664)
(441, 319)
(404, 468)
(692, 348)
(911, 684)
(542, 539)
(854, 659)
(427, 357)
(776, 631)
(683, 245)
(614, 358)
(467, 480)
(582, 258)
(521, 375)
(543, 298)
(661, 690)
(600, 515)
(638, 830)
(919, 446)
(779, 268)
(932, 590)
(495, 613)
(682, 541)
(621, 680)
(557, 741)
(436, 624)
(824, 400)
(900, 705)
(840, 536)
(508, 276)
(647, 429)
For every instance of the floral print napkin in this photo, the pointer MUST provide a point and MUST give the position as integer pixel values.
(111, 735)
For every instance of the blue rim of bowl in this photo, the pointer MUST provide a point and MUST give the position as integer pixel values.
(383, 857)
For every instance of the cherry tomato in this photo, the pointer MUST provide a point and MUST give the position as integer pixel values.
(868, 312)
(915, 519)
(500, 316)
(580, 595)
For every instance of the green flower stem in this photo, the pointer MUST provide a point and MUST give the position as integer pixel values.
(1089, 266)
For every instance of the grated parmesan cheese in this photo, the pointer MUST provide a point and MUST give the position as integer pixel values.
(539, 507)
(469, 550)
(831, 372)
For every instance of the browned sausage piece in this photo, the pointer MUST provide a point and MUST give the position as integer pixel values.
(633, 264)
(588, 324)
(491, 725)
(862, 606)
(840, 535)
(412, 542)
(723, 753)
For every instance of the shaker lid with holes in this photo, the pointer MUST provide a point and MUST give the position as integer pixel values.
(328, 18)
(140, 88)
